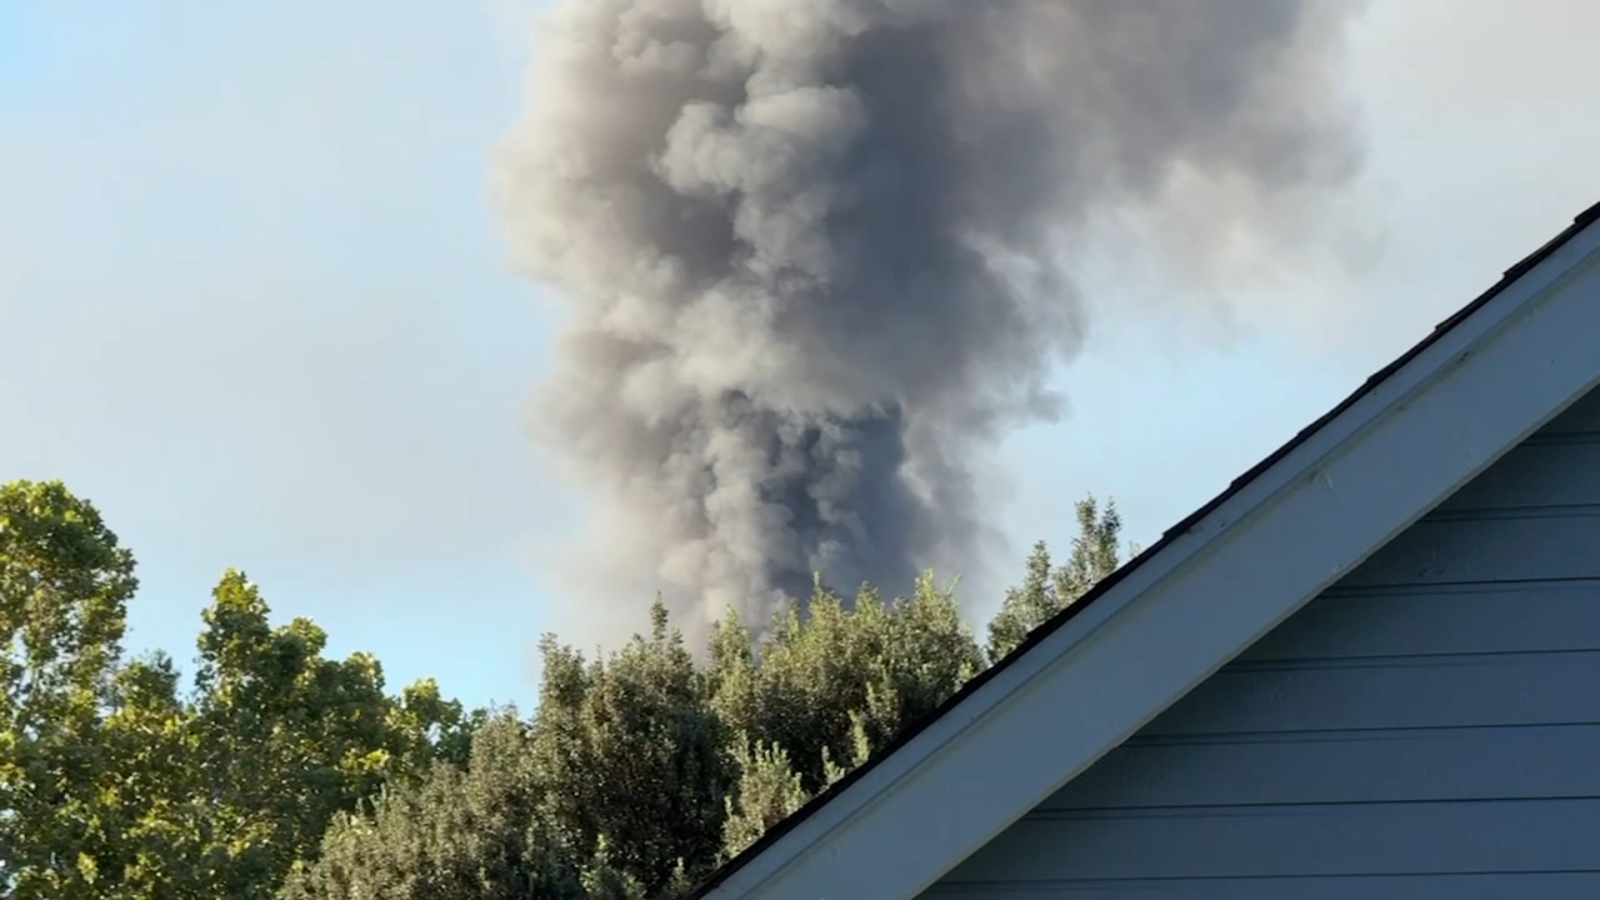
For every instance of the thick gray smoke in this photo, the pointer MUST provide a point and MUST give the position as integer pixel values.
(817, 251)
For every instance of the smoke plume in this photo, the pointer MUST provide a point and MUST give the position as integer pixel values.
(817, 253)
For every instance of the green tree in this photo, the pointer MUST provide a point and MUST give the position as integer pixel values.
(769, 791)
(926, 653)
(472, 834)
(1026, 606)
(285, 772)
(835, 681)
(615, 789)
(64, 587)
(1046, 591)
(633, 755)
(800, 689)
(426, 727)
(151, 787)
(116, 784)
(1096, 550)
(287, 739)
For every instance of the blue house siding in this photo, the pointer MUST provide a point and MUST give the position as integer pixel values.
(1427, 728)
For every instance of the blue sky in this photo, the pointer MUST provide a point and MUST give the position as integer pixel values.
(254, 304)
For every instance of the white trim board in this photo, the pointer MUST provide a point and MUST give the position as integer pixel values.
(1365, 475)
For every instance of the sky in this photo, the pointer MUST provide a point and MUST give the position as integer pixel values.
(254, 303)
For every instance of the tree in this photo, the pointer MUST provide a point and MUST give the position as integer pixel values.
(473, 834)
(639, 771)
(633, 756)
(833, 682)
(1046, 591)
(115, 784)
(1096, 550)
(282, 772)
(64, 587)
(285, 740)
(799, 691)
(152, 750)
(1026, 606)
(427, 728)
(615, 789)
(769, 791)
(922, 652)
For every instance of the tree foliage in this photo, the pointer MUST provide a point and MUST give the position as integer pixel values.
(116, 782)
(64, 587)
(1045, 591)
(634, 754)
(474, 833)
(278, 771)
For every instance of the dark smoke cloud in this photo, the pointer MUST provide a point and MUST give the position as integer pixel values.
(814, 249)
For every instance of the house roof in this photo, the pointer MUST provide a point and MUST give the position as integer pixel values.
(1407, 438)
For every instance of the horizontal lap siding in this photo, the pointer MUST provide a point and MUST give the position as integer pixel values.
(1489, 886)
(1428, 728)
(1331, 840)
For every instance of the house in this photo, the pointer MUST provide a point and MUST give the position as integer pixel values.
(1370, 668)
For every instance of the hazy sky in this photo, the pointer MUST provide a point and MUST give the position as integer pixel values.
(254, 306)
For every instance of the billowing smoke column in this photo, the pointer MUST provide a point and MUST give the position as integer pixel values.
(817, 251)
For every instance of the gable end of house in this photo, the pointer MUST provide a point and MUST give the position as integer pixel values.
(1224, 577)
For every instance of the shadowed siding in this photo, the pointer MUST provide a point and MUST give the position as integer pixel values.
(1427, 728)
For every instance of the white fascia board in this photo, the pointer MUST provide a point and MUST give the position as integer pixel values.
(1345, 491)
